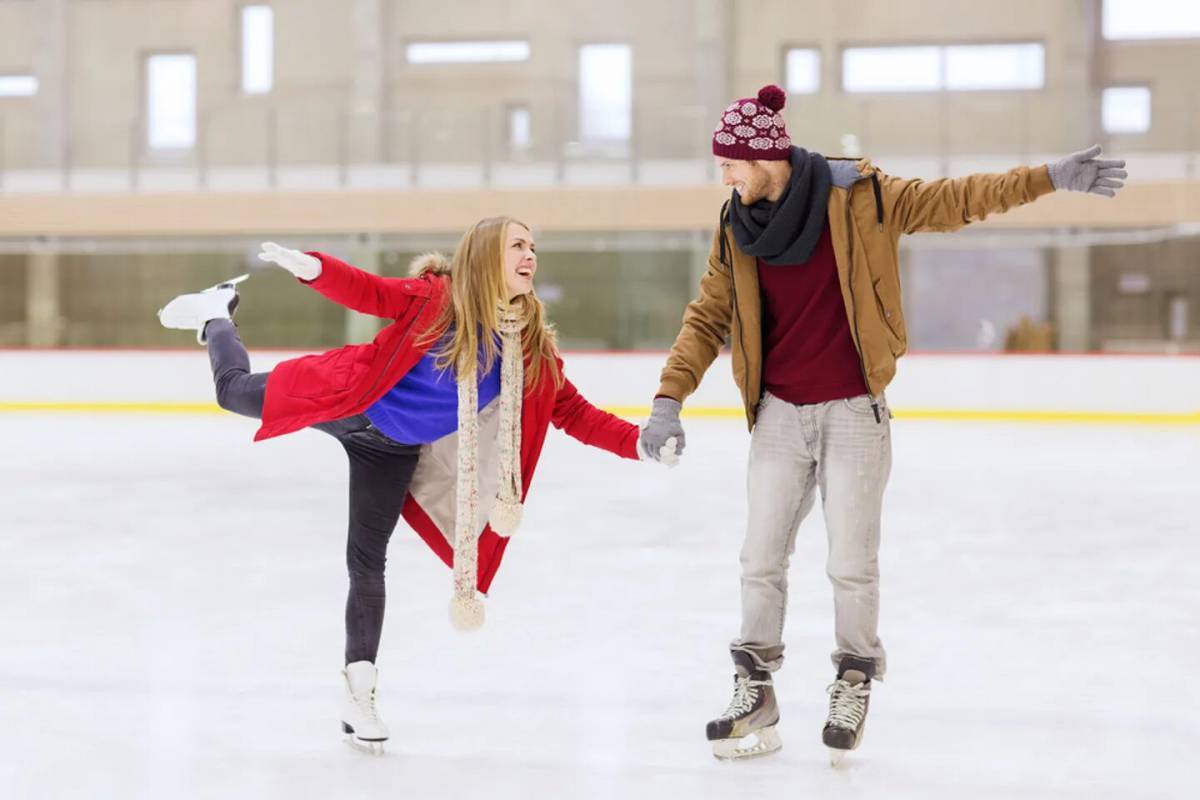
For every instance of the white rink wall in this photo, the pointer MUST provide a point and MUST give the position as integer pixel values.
(926, 382)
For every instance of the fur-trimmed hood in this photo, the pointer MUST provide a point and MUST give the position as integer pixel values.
(432, 263)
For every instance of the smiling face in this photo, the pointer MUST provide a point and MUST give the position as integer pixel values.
(748, 178)
(520, 260)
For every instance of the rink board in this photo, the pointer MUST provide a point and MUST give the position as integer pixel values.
(1014, 388)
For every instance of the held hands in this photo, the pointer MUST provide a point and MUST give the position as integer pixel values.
(302, 265)
(662, 437)
(1084, 172)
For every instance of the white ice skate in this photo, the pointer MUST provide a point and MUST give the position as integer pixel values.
(191, 312)
(360, 719)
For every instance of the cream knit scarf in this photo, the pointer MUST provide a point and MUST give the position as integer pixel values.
(466, 610)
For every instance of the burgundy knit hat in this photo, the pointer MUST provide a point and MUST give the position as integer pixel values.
(752, 129)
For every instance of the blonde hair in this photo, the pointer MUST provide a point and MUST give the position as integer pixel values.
(477, 288)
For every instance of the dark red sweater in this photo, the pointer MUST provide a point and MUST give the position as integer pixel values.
(808, 352)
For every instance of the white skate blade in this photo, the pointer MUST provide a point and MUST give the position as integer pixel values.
(761, 742)
(371, 747)
(836, 755)
(230, 282)
(366, 748)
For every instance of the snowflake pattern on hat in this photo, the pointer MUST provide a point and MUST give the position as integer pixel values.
(753, 128)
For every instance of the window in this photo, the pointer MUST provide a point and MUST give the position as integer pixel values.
(892, 69)
(953, 68)
(520, 133)
(171, 101)
(18, 85)
(466, 52)
(1151, 19)
(258, 49)
(1126, 109)
(802, 71)
(605, 92)
(995, 66)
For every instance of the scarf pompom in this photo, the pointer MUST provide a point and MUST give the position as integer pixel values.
(466, 613)
(505, 517)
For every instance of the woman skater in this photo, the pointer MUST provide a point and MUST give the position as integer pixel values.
(442, 416)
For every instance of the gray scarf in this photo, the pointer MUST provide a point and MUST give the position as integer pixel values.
(786, 231)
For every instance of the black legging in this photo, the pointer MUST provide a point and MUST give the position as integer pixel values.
(380, 470)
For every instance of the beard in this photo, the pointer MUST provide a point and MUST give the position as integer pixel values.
(754, 188)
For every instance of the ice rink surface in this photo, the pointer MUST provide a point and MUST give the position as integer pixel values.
(173, 600)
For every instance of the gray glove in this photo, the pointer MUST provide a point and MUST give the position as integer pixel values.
(1083, 172)
(662, 436)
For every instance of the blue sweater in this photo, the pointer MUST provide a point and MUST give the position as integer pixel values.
(423, 405)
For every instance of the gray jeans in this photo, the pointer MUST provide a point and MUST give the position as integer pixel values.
(839, 448)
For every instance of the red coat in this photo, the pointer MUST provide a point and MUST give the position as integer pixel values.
(346, 381)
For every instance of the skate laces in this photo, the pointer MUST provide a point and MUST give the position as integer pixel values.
(366, 704)
(745, 695)
(847, 703)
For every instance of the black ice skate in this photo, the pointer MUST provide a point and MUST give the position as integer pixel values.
(191, 312)
(747, 728)
(849, 697)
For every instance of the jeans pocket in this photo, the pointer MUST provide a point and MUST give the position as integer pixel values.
(861, 404)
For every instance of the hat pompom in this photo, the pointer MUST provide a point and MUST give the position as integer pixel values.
(466, 613)
(772, 97)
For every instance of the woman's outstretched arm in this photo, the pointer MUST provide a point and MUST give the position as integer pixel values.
(346, 284)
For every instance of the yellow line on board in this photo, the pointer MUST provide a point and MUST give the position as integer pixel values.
(694, 412)
(967, 415)
(111, 408)
(1055, 417)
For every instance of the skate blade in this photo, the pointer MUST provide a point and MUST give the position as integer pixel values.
(371, 747)
(229, 283)
(836, 755)
(761, 742)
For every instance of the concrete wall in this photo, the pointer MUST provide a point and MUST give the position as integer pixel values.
(343, 83)
(1048, 120)
(343, 86)
(1169, 68)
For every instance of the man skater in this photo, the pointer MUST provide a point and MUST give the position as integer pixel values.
(804, 276)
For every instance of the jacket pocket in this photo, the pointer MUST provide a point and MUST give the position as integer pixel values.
(892, 318)
(323, 375)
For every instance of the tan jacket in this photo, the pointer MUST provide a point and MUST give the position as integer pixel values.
(868, 211)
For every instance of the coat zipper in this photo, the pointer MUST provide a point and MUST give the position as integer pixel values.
(396, 349)
(733, 289)
(862, 364)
